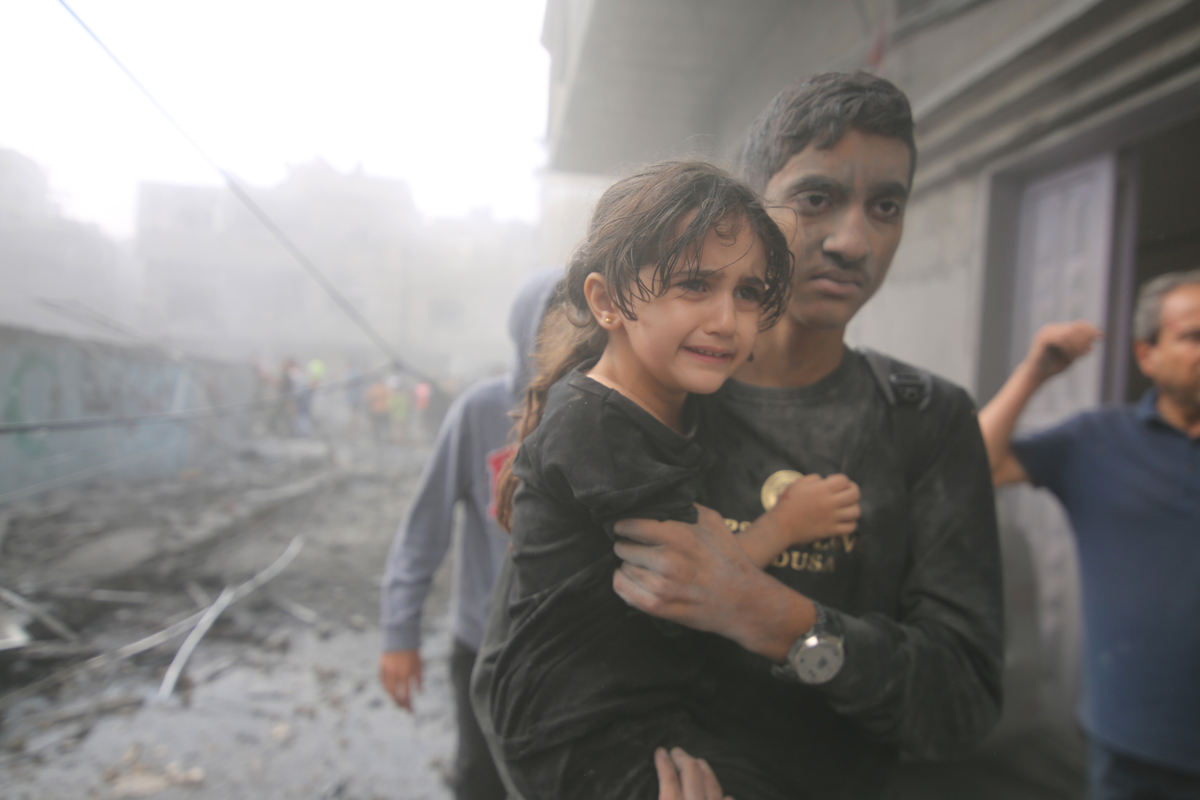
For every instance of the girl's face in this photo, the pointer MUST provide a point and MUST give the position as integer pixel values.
(691, 337)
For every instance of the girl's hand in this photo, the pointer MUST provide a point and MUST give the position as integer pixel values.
(681, 777)
(815, 508)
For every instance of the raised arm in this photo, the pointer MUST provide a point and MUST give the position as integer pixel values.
(1055, 347)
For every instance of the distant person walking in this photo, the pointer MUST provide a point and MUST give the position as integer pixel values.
(307, 386)
(284, 421)
(1129, 479)
(470, 448)
(356, 398)
(379, 409)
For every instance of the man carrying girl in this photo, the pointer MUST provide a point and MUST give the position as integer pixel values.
(681, 269)
(846, 649)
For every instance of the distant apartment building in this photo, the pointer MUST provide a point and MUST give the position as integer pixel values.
(218, 281)
(56, 274)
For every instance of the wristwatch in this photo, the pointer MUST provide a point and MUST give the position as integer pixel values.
(817, 656)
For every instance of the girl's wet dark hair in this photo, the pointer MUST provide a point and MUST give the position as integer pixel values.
(636, 223)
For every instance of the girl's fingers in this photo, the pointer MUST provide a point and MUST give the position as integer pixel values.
(668, 778)
(712, 787)
(850, 492)
(847, 513)
(691, 776)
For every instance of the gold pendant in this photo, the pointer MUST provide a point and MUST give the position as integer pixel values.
(775, 486)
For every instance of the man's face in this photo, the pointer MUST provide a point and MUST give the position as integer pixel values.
(1173, 362)
(842, 210)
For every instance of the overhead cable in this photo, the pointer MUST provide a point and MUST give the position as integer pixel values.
(189, 415)
(262, 216)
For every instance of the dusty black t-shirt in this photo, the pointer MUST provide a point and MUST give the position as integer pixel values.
(915, 590)
(563, 655)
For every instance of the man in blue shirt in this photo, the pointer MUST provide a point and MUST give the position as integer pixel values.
(1129, 479)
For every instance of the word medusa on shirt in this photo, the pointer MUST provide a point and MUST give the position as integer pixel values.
(814, 557)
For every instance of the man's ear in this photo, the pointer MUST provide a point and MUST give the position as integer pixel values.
(1145, 354)
(601, 303)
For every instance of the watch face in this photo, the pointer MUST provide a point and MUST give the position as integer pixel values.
(818, 661)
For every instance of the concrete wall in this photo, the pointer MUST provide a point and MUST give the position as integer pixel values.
(1005, 93)
(992, 82)
(46, 377)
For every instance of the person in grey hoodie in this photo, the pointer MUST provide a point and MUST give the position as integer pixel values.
(471, 447)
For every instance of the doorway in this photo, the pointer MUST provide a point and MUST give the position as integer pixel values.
(1167, 228)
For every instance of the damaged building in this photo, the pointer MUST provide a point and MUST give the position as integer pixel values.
(1056, 144)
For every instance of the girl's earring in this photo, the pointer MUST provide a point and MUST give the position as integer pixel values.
(608, 320)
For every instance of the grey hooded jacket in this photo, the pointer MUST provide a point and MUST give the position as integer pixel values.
(468, 452)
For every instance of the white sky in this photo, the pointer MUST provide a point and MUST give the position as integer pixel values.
(450, 96)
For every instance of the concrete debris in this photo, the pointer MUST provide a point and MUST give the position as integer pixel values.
(37, 650)
(278, 696)
(12, 629)
(302, 613)
(296, 451)
(86, 708)
(42, 615)
(201, 598)
(336, 788)
(102, 595)
(189, 644)
(139, 782)
(282, 733)
(165, 550)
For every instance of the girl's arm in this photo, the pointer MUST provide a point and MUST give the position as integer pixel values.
(812, 508)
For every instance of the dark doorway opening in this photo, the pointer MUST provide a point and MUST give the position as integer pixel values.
(1167, 231)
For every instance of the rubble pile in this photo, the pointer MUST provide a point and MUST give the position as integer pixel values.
(161, 613)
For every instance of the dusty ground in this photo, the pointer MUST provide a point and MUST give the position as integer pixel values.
(270, 706)
(280, 700)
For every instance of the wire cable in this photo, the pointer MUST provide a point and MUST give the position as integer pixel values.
(79, 475)
(189, 415)
(355, 315)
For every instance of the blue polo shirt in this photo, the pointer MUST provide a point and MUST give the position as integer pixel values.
(1130, 483)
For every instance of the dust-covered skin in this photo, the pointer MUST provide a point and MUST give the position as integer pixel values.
(842, 209)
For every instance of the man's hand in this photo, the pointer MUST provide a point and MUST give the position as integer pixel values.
(400, 674)
(698, 576)
(1056, 345)
(681, 777)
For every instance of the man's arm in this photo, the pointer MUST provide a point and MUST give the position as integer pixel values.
(420, 545)
(927, 679)
(1054, 348)
(699, 576)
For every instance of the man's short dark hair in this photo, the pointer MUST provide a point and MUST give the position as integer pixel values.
(1147, 312)
(819, 110)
